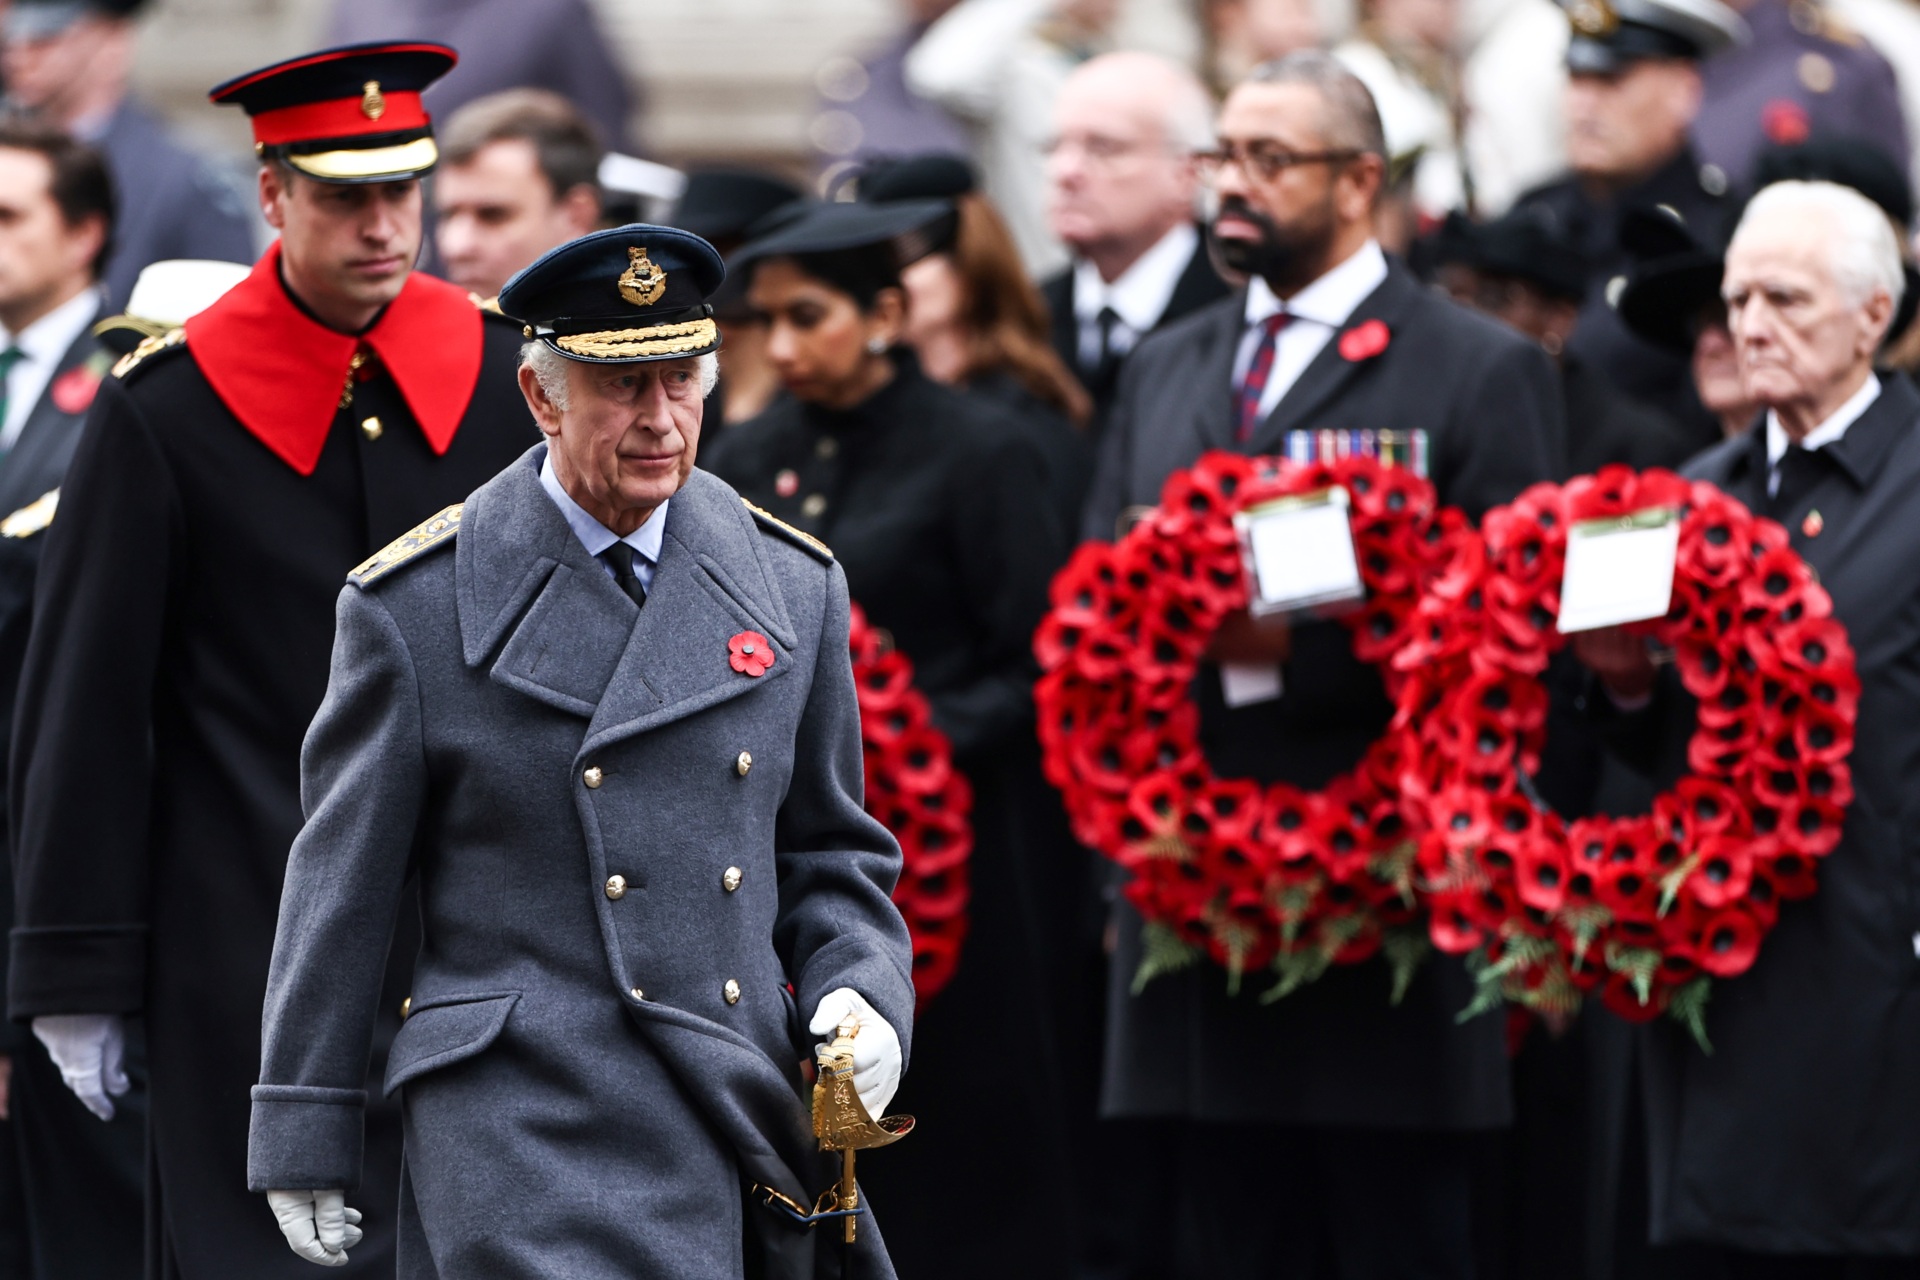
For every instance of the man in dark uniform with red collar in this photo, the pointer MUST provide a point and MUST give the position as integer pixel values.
(230, 474)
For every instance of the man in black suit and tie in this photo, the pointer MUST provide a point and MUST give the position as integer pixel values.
(1121, 188)
(70, 1186)
(1332, 1129)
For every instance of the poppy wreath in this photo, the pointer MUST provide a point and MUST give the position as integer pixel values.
(1251, 877)
(914, 791)
(1645, 910)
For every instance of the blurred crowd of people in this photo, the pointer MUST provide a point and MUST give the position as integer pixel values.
(1050, 265)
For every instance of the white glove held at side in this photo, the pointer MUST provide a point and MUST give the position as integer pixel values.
(876, 1046)
(91, 1051)
(318, 1225)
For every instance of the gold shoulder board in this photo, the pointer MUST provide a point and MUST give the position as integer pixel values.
(129, 361)
(490, 305)
(32, 518)
(805, 541)
(410, 545)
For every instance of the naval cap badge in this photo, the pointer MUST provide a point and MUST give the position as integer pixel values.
(643, 282)
(373, 103)
(1594, 19)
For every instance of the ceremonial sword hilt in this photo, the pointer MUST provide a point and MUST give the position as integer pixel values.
(841, 1121)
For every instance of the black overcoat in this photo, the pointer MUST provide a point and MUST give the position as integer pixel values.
(1333, 1053)
(939, 509)
(1798, 1134)
(182, 633)
(81, 1180)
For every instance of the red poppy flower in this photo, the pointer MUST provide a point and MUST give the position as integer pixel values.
(73, 391)
(1730, 943)
(1364, 341)
(749, 653)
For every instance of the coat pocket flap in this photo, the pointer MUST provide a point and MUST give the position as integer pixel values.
(445, 1032)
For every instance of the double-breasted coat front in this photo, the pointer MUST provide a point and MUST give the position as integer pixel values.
(640, 868)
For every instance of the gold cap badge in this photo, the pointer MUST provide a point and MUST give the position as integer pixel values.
(642, 283)
(1593, 18)
(373, 104)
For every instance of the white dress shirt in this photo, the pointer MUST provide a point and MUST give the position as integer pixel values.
(1319, 311)
(45, 342)
(1139, 295)
(1825, 434)
(596, 537)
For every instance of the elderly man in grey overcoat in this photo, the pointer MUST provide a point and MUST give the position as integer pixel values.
(604, 712)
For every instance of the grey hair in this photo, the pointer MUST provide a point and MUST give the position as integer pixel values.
(1351, 119)
(1862, 251)
(550, 371)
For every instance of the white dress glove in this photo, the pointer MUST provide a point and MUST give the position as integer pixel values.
(91, 1051)
(318, 1225)
(876, 1046)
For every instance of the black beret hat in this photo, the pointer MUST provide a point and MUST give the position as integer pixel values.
(347, 115)
(1531, 244)
(720, 204)
(623, 296)
(932, 175)
(910, 229)
(1851, 162)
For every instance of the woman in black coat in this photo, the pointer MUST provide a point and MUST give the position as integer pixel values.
(940, 510)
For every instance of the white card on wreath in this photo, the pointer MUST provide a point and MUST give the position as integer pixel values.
(1619, 571)
(1299, 552)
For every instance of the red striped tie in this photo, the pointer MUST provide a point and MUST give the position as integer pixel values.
(1254, 385)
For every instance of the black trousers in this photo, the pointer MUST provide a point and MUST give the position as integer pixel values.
(73, 1185)
(1270, 1202)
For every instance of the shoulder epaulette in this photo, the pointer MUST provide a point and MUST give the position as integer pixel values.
(805, 541)
(435, 531)
(148, 347)
(32, 518)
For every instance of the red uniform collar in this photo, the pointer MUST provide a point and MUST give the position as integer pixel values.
(281, 372)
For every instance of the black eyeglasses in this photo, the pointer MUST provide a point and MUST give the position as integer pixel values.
(1265, 160)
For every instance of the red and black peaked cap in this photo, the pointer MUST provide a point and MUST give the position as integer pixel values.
(349, 115)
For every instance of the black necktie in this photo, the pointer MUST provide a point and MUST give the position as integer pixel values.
(1799, 471)
(619, 558)
(1106, 371)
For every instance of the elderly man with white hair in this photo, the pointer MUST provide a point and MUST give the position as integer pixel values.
(1122, 188)
(1794, 1148)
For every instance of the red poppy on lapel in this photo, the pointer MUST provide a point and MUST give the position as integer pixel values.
(73, 390)
(1364, 341)
(749, 653)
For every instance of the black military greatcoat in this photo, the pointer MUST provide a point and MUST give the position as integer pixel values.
(1798, 1134)
(1334, 1053)
(182, 634)
(940, 511)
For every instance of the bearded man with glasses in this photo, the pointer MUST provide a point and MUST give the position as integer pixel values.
(1330, 1133)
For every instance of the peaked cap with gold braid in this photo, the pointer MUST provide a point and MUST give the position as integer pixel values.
(631, 294)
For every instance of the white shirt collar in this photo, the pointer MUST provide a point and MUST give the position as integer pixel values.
(594, 536)
(1330, 299)
(1827, 432)
(1140, 294)
(50, 337)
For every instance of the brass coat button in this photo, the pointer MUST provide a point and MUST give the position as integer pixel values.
(731, 992)
(406, 1008)
(616, 887)
(743, 763)
(637, 994)
(730, 878)
(826, 447)
(593, 777)
(371, 428)
(813, 505)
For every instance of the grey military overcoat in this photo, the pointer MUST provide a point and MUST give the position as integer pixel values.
(627, 851)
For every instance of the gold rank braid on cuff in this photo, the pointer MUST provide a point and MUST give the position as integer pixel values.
(628, 344)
